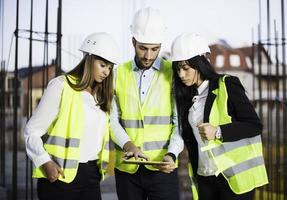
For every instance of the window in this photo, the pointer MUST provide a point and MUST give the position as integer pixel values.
(234, 60)
(219, 62)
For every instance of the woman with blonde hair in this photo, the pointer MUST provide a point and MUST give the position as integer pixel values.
(67, 135)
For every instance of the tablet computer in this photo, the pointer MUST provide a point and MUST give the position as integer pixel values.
(145, 162)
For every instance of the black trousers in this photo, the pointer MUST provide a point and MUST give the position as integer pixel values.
(217, 188)
(86, 185)
(147, 184)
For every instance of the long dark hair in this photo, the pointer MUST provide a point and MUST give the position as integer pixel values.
(83, 75)
(183, 93)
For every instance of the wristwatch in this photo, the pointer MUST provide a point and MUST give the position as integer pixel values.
(218, 135)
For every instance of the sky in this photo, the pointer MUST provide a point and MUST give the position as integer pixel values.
(230, 20)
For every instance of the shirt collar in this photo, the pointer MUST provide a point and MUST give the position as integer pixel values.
(203, 87)
(202, 91)
(156, 65)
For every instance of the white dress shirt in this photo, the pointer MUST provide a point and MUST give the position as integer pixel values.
(206, 166)
(94, 124)
(144, 79)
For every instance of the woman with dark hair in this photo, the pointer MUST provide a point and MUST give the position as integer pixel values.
(219, 125)
(67, 136)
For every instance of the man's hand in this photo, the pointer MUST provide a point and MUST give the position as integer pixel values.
(206, 131)
(52, 171)
(133, 151)
(167, 168)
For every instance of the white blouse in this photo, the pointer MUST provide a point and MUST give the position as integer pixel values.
(206, 166)
(47, 110)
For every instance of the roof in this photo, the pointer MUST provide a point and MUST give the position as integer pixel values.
(228, 54)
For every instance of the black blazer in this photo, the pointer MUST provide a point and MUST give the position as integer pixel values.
(245, 122)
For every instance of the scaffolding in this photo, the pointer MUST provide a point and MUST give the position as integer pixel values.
(270, 101)
(46, 39)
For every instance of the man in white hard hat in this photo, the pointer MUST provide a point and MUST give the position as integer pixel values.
(144, 119)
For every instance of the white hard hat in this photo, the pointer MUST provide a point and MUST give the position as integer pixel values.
(188, 45)
(103, 45)
(148, 26)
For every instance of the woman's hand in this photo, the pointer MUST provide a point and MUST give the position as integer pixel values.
(206, 131)
(133, 151)
(52, 171)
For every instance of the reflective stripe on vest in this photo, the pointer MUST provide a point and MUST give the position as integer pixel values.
(65, 163)
(229, 146)
(254, 162)
(155, 145)
(63, 139)
(64, 142)
(241, 162)
(147, 120)
(149, 125)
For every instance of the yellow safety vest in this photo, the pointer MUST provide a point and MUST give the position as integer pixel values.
(64, 137)
(240, 162)
(149, 126)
